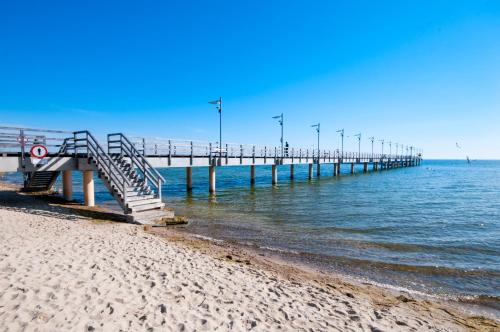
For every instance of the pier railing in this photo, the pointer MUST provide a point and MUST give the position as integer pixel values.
(191, 148)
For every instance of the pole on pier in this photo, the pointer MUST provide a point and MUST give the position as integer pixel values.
(211, 179)
(252, 174)
(189, 178)
(88, 188)
(67, 186)
(292, 171)
(310, 173)
(275, 174)
(352, 168)
(365, 167)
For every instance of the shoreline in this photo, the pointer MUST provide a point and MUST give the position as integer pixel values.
(274, 261)
(325, 292)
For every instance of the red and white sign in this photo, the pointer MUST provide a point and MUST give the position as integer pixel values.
(39, 151)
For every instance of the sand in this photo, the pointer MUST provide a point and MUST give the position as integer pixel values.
(61, 271)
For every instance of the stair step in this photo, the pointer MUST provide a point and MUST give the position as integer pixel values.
(140, 197)
(146, 207)
(139, 202)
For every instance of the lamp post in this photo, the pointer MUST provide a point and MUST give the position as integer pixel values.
(372, 139)
(317, 126)
(396, 150)
(359, 144)
(280, 121)
(382, 141)
(218, 105)
(390, 149)
(341, 131)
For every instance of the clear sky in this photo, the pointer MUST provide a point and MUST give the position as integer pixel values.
(422, 73)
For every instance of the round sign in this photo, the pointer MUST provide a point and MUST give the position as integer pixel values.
(38, 151)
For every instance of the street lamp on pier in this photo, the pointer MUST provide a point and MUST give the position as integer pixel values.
(372, 139)
(382, 141)
(317, 126)
(359, 144)
(218, 105)
(280, 121)
(341, 131)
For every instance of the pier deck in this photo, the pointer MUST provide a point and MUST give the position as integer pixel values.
(128, 167)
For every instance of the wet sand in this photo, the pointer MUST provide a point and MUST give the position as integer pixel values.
(63, 267)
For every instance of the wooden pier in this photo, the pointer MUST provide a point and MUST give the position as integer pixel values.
(128, 166)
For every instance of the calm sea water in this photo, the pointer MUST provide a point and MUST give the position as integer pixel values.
(433, 228)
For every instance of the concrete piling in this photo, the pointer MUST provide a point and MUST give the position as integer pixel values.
(318, 169)
(292, 171)
(189, 178)
(365, 167)
(252, 174)
(310, 173)
(88, 188)
(67, 185)
(275, 174)
(352, 168)
(211, 179)
(334, 169)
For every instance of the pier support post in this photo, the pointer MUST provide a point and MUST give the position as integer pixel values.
(189, 178)
(292, 171)
(252, 174)
(67, 185)
(310, 174)
(365, 167)
(88, 188)
(352, 168)
(334, 169)
(338, 168)
(275, 174)
(375, 166)
(211, 179)
(318, 169)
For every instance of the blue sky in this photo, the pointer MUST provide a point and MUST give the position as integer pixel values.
(423, 73)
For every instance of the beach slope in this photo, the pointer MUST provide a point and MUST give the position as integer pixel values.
(63, 271)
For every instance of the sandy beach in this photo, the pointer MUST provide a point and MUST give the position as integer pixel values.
(64, 271)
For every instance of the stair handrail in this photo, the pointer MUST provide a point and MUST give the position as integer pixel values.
(102, 158)
(138, 160)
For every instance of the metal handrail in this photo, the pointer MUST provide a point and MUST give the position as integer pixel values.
(137, 159)
(108, 165)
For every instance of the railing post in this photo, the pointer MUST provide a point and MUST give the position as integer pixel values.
(143, 146)
(156, 149)
(191, 156)
(241, 154)
(169, 153)
(253, 154)
(265, 154)
(227, 154)
(23, 147)
(209, 153)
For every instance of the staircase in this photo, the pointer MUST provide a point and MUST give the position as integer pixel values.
(44, 180)
(129, 177)
(39, 181)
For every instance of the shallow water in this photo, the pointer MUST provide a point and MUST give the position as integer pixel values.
(433, 228)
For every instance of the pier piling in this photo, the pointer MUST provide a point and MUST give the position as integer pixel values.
(292, 171)
(275, 174)
(67, 185)
(365, 167)
(211, 179)
(310, 173)
(189, 178)
(352, 168)
(88, 188)
(252, 174)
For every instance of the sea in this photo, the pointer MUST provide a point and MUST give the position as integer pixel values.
(432, 229)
